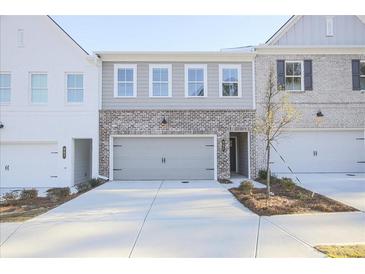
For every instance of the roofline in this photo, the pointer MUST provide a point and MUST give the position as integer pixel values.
(67, 34)
(277, 33)
(167, 53)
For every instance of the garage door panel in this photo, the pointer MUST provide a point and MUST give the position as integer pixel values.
(321, 151)
(154, 158)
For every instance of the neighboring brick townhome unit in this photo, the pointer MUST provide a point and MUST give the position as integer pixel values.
(320, 61)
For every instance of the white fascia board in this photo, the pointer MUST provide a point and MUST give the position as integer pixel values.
(326, 49)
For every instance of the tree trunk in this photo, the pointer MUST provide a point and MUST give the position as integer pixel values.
(268, 175)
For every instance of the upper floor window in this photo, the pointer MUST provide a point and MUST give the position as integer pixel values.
(160, 81)
(75, 87)
(362, 75)
(5, 86)
(230, 80)
(294, 76)
(125, 80)
(39, 88)
(195, 80)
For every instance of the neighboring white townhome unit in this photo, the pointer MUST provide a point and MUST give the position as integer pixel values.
(48, 105)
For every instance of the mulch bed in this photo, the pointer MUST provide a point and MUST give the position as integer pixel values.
(287, 201)
(22, 210)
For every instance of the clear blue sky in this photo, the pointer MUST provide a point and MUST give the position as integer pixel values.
(171, 33)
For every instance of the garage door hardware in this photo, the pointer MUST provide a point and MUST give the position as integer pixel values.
(360, 139)
(163, 160)
(361, 162)
(209, 145)
(54, 152)
(117, 169)
(351, 175)
(185, 182)
(209, 169)
(117, 145)
(54, 176)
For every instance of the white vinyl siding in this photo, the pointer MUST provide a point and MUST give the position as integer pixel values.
(75, 87)
(230, 81)
(294, 76)
(5, 88)
(160, 80)
(362, 75)
(39, 88)
(196, 80)
(125, 80)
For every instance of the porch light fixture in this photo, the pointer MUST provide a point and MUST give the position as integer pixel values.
(1, 125)
(223, 145)
(319, 114)
(164, 122)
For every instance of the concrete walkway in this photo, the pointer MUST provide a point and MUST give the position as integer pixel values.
(165, 219)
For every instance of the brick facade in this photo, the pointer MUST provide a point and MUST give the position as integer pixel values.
(179, 122)
(332, 94)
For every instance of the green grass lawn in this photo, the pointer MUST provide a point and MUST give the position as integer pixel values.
(343, 251)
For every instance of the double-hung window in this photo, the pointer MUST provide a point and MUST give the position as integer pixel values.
(230, 80)
(195, 80)
(39, 88)
(160, 80)
(5, 88)
(75, 87)
(125, 80)
(294, 78)
(362, 75)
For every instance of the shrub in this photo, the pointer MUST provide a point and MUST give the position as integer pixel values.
(83, 187)
(288, 184)
(10, 198)
(95, 182)
(58, 193)
(29, 194)
(246, 187)
(262, 174)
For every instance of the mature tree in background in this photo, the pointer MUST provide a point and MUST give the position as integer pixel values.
(277, 113)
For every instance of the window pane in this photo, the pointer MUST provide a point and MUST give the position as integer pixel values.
(289, 68)
(121, 74)
(129, 89)
(156, 74)
(297, 68)
(289, 83)
(164, 74)
(199, 74)
(196, 89)
(362, 68)
(191, 75)
(39, 96)
(230, 89)
(156, 90)
(362, 83)
(129, 74)
(4, 80)
(75, 81)
(39, 81)
(75, 95)
(4, 95)
(164, 89)
(230, 75)
(297, 83)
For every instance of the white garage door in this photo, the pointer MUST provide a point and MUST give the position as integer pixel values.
(28, 164)
(321, 151)
(159, 158)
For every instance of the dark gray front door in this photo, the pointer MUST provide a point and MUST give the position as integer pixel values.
(232, 152)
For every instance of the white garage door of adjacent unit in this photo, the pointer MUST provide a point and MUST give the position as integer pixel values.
(28, 164)
(161, 158)
(321, 151)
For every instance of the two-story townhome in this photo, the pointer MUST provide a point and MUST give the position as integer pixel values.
(320, 62)
(48, 105)
(176, 115)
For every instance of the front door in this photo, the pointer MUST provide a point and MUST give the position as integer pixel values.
(232, 152)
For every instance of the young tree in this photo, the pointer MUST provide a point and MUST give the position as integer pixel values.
(277, 113)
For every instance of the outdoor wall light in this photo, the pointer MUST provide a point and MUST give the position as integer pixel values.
(319, 114)
(1, 125)
(164, 122)
(223, 145)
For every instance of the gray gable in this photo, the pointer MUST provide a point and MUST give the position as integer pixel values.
(311, 30)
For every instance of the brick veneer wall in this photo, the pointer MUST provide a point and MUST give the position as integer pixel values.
(179, 122)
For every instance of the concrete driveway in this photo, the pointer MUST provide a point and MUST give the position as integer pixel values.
(347, 189)
(152, 219)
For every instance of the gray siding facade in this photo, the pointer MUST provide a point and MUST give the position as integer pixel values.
(178, 99)
(311, 30)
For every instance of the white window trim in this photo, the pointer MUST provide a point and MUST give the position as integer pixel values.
(301, 75)
(30, 88)
(7, 103)
(169, 68)
(202, 66)
(83, 88)
(125, 66)
(361, 75)
(239, 75)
